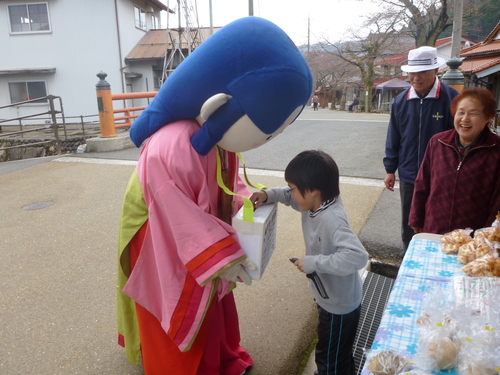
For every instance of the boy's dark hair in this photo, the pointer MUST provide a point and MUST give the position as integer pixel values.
(314, 169)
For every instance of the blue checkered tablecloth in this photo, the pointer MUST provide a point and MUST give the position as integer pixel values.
(425, 268)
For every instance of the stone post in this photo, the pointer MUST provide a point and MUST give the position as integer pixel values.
(105, 106)
(454, 77)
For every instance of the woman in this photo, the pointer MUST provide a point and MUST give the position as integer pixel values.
(458, 184)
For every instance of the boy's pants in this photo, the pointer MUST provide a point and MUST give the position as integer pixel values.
(335, 340)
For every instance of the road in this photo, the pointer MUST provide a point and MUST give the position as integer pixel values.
(355, 140)
(357, 145)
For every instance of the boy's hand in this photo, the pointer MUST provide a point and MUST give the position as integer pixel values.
(299, 265)
(258, 198)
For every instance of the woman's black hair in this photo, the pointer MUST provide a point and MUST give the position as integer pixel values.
(314, 170)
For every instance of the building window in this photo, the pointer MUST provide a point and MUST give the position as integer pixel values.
(25, 18)
(157, 82)
(140, 17)
(156, 23)
(22, 91)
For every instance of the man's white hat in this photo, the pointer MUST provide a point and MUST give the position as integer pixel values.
(421, 59)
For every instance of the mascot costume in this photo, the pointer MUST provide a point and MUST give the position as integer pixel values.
(178, 255)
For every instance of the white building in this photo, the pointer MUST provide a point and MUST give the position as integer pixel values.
(56, 47)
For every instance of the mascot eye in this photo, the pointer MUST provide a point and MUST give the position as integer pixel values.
(268, 138)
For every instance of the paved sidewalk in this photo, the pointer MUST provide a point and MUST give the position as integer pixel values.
(59, 267)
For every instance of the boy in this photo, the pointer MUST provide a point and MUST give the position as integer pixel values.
(333, 251)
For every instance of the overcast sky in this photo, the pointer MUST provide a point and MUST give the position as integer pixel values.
(329, 18)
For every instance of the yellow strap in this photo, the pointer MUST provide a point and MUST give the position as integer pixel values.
(258, 186)
(247, 204)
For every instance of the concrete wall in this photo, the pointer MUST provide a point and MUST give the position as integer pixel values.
(18, 149)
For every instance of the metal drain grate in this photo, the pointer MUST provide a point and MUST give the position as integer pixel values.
(376, 292)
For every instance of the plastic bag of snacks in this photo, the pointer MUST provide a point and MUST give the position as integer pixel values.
(440, 346)
(478, 349)
(477, 360)
(452, 241)
(438, 341)
(477, 248)
(496, 223)
(490, 233)
(387, 362)
(460, 337)
(488, 265)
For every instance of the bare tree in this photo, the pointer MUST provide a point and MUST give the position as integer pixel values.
(329, 72)
(362, 52)
(347, 76)
(321, 67)
(425, 19)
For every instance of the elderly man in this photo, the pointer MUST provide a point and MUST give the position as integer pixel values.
(417, 114)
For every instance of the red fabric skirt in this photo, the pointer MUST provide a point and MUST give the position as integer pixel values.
(216, 349)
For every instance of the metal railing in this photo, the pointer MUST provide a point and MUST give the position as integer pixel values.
(31, 123)
(129, 115)
(23, 128)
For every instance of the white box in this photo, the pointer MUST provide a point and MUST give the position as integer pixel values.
(258, 239)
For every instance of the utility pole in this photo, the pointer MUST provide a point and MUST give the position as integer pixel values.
(453, 76)
(456, 36)
(308, 33)
(211, 18)
(250, 7)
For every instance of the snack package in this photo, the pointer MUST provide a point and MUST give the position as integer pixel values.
(477, 248)
(477, 355)
(488, 265)
(496, 223)
(461, 336)
(440, 348)
(387, 362)
(475, 367)
(452, 241)
(493, 320)
(437, 308)
(480, 294)
(439, 344)
(490, 233)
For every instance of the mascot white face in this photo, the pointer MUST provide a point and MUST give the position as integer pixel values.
(244, 135)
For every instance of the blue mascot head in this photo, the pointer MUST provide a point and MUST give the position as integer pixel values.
(244, 85)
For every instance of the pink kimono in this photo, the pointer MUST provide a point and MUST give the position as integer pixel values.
(185, 245)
